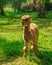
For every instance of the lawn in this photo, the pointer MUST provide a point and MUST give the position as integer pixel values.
(11, 42)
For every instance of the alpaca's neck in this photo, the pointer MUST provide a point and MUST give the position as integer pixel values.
(26, 28)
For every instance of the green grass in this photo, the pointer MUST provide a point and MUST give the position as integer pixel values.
(11, 43)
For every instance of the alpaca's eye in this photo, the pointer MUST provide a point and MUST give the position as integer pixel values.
(23, 19)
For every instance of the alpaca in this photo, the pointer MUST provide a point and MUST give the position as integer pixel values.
(30, 33)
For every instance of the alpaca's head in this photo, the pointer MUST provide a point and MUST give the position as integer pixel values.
(26, 20)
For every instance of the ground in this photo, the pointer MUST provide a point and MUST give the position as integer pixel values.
(11, 42)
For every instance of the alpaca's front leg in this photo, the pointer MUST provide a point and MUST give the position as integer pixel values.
(34, 46)
(25, 48)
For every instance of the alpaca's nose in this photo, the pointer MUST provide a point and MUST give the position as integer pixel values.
(22, 23)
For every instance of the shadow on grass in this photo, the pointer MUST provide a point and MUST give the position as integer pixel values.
(45, 57)
(10, 50)
(42, 57)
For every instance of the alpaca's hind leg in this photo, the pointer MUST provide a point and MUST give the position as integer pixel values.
(25, 48)
(36, 41)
